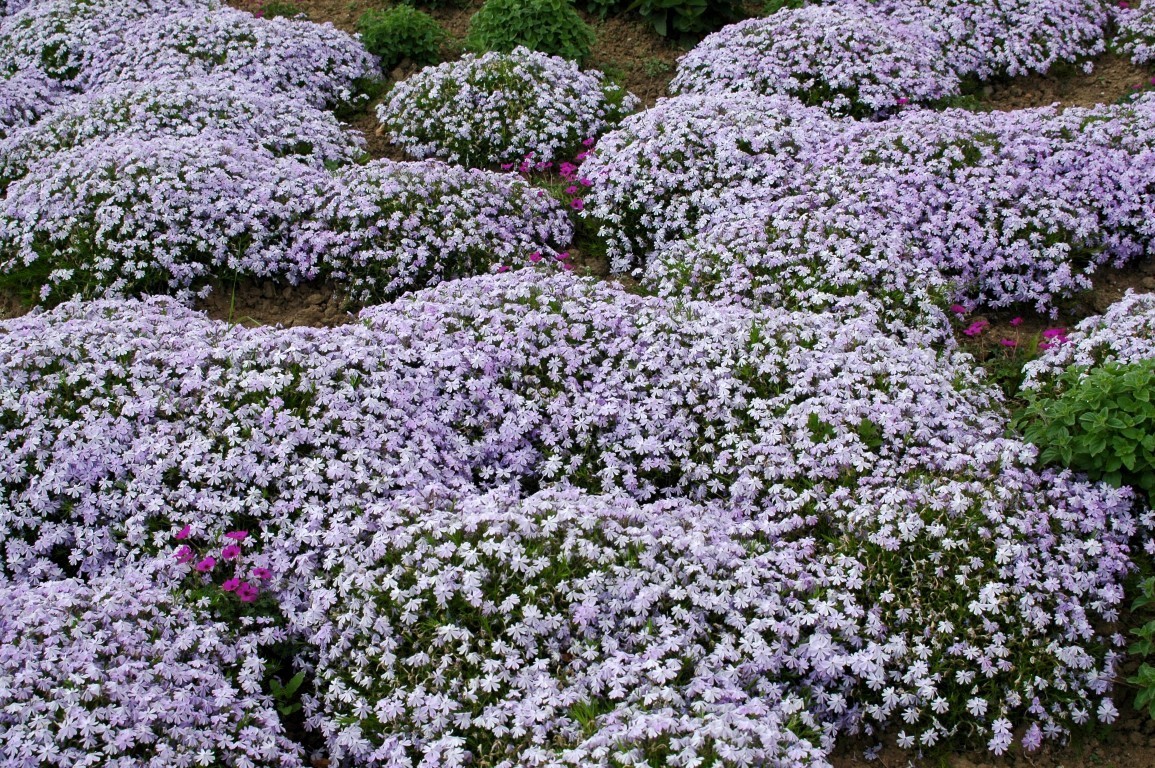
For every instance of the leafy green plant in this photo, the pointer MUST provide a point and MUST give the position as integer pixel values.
(285, 694)
(549, 26)
(401, 33)
(773, 6)
(1100, 421)
(686, 21)
(1144, 678)
(282, 8)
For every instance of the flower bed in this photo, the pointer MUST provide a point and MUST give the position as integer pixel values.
(24, 98)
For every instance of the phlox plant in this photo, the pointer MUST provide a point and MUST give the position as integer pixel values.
(117, 670)
(390, 227)
(24, 98)
(316, 63)
(61, 37)
(665, 170)
(846, 59)
(652, 434)
(127, 215)
(497, 108)
(1136, 31)
(990, 38)
(221, 107)
(814, 251)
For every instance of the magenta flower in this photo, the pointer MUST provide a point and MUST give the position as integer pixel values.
(903, 101)
(1009, 343)
(207, 564)
(975, 328)
(572, 189)
(237, 535)
(231, 552)
(1016, 321)
(958, 309)
(584, 181)
(264, 574)
(567, 267)
(562, 256)
(507, 166)
(247, 592)
(589, 142)
(577, 204)
(567, 170)
(184, 554)
(502, 267)
(183, 533)
(230, 585)
(535, 257)
(1057, 334)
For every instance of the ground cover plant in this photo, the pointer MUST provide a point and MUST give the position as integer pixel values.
(392, 227)
(400, 33)
(497, 108)
(549, 26)
(188, 108)
(744, 505)
(842, 58)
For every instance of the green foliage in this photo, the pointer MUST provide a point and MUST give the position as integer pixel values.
(549, 26)
(687, 20)
(1144, 679)
(773, 6)
(400, 33)
(288, 701)
(282, 8)
(1101, 422)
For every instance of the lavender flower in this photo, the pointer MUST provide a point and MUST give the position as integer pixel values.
(220, 106)
(118, 670)
(316, 63)
(664, 170)
(121, 216)
(847, 59)
(24, 98)
(391, 227)
(499, 108)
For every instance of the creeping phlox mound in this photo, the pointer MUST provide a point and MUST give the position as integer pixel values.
(816, 251)
(24, 97)
(499, 108)
(61, 37)
(1136, 35)
(220, 107)
(128, 215)
(531, 519)
(1125, 334)
(119, 671)
(664, 170)
(989, 38)
(314, 62)
(391, 227)
(1013, 208)
(847, 59)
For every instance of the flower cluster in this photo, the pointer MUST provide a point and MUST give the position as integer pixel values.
(116, 670)
(183, 108)
(498, 108)
(59, 37)
(244, 589)
(539, 520)
(391, 227)
(316, 63)
(816, 251)
(24, 97)
(124, 215)
(664, 170)
(1125, 333)
(847, 59)
(1136, 31)
(987, 38)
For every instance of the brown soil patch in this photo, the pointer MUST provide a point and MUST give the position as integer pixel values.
(1113, 78)
(252, 303)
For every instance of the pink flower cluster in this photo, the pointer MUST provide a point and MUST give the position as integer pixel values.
(246, 591)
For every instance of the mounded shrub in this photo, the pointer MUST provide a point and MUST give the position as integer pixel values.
(316, 63)
(549, 26)
(484, 111)
(845, 59)
(60, 37)
(128, 215)
(394, 227)
(117, 671)
(665, 170)
(184, 108)
(399, 33)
